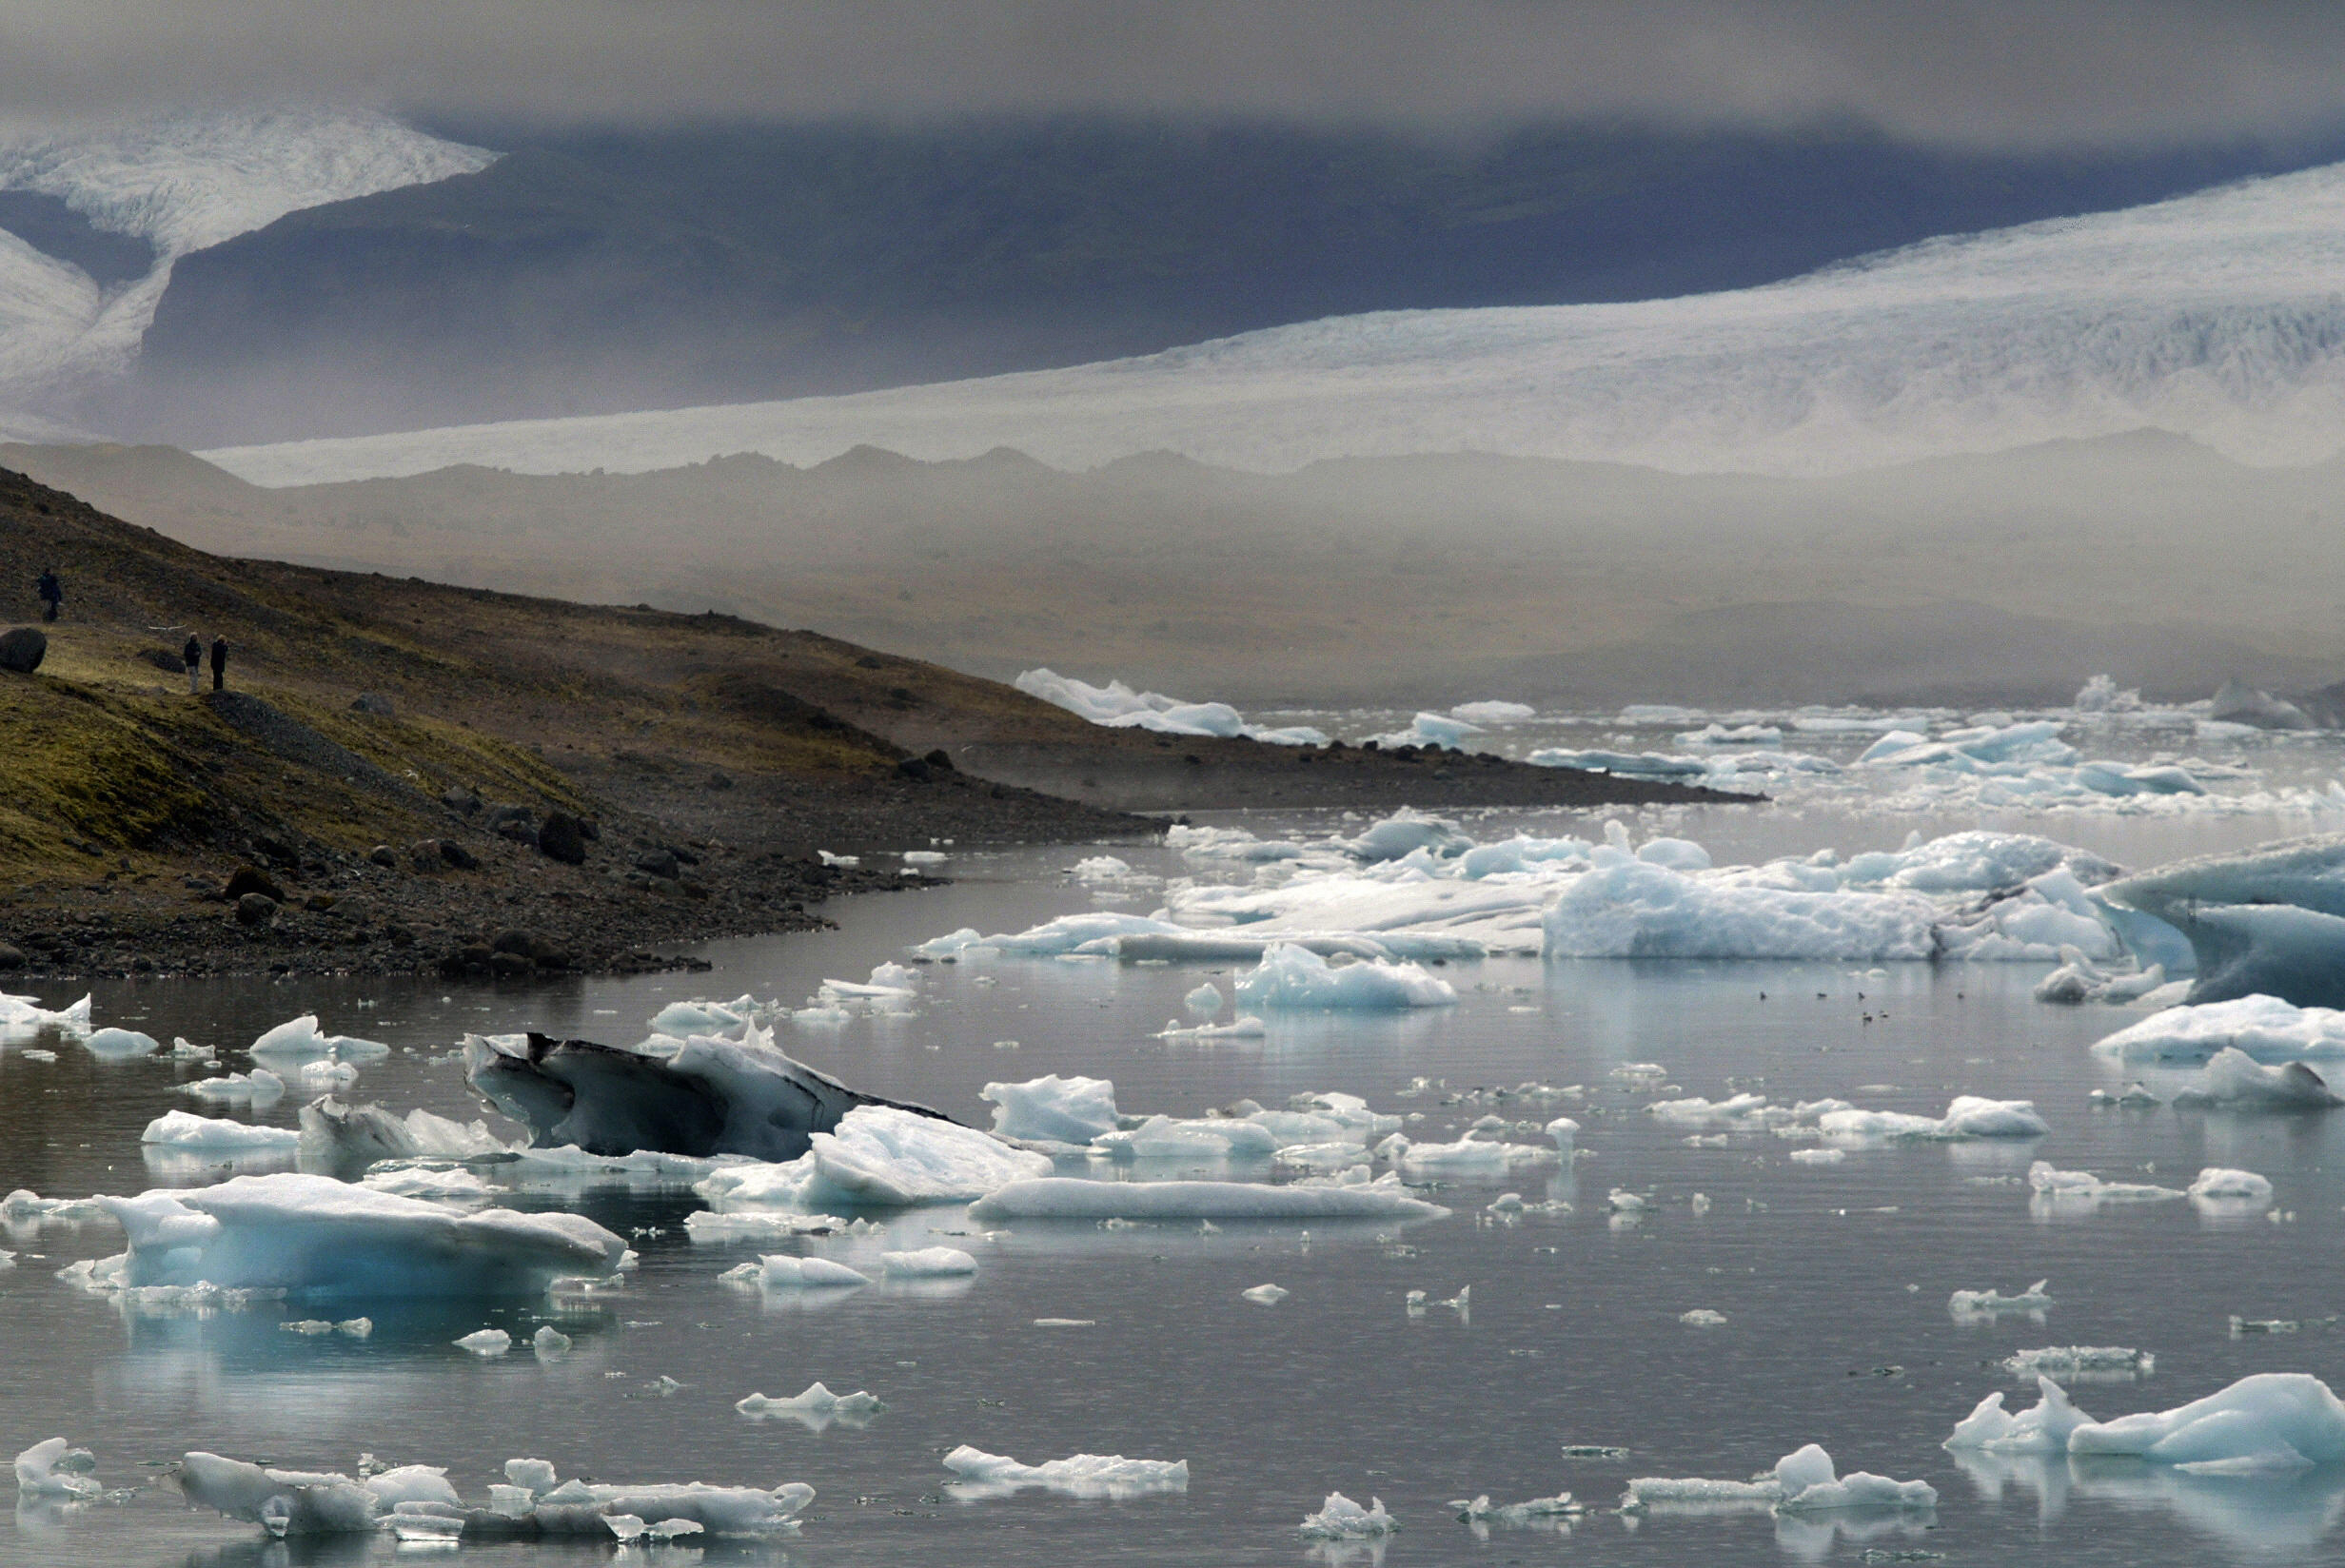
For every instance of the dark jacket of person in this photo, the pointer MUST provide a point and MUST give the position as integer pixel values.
(219, 662)
(192, 655)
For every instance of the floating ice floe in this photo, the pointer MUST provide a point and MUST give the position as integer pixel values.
(1052, 1110)
(323, 1238)
(1075, 1198)
(25, 1015)
(929, 1263)
(356, 1136)
(2043, 1428)
(2220, 1185)
(2078, 979)
(878, 1156)
(980, 1473)
(1206, 1140)
(705, 1097)
(682, 1020)
(1967, 1116)
(2055, 1189)
(2103, 1363)
(1340, 1518)
(183, 1130)
(1117, 706)
(25, 1208)
(258, 1088)
(120, 1043)
(893, 988)
(785, 1271)
(1481, 1513)
(1801, 1483)
(1295, 977)
(817, 1407)
(55, 1468)
(2262, 1028)
(299, 1040)
(1447, 731)
(487, 1343)
(1246, 1025)
(2235, 1079)
(1265, 1295)
(417, 1504)
(1465, 1160)
(1991, 1304)
(2271, 1421)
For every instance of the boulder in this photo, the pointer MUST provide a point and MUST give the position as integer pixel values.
(255, 909)
(562, 837)
(460, 800)
(11, 958)
(940, 759)
(659, 863)
(509, 966)
(914, 768)
(382, 854)
(372, 702)
(252, 879)
(425, 855)
(720, 780)
(21, 649)
(458, 856)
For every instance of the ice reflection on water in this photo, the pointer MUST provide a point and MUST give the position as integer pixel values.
(1573, 1337)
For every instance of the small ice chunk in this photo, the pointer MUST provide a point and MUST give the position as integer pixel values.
(1340, 1518)
(1818, 1156)
(1055, 1109)
(1702, 1317)
(300, 1040)
(782, 1271)
(486, 1342)
(2042, 1429)
(1205, 1001)
(1987, 1304)
(2243, 1186)
(816, 1400)
(1265, 1295)
(185, 1129)
(929, 1263)
(120, 1043)
(1293, 977)
(260, 1088)
(2069, 1361)
(57, 1469)
(550, 1342)
(1074, 1198)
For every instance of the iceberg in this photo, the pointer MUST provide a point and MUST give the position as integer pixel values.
(817, 1407)
(55, 1468)
(929, 1263)
(120, 1043)
(1209, 1139)
(1075, 1198)
(2269, 920)
(2233, 1078)
(299, 1040)
(783, 1271)
(708, 1096)
(1967, 1116)
(2263, 1029)
(980, 1473)
(1290, 976)
(1805, 1482)
(2054, 1189)
(878, 1157)
(1340, 1518)
(1467, 1159)
(1445, 732)
(2238, 1187)
(1987, 1304)
(25, 1015)
(1402, 833)
(260, 1087)
(353, 1137)
(317, 1238)
(1495, 712)
(1055, 1110)
(1627, 907)
(1117, 706)
(2107, 1363)
(185, 1131)
(2265, 1423)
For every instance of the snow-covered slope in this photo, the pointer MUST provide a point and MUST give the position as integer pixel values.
(2217, 314)
(180, 184)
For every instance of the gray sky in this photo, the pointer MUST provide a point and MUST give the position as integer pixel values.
(1997, 72)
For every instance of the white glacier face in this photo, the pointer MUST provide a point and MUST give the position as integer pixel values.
(2215, 315)
(182, 183)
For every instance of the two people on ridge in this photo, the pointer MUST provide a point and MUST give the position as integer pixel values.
(192, 655)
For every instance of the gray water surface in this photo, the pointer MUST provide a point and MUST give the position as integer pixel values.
(1833, 1279)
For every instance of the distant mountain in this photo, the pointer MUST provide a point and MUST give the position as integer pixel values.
(1989, 580)
(597, 273)
(2215, 315)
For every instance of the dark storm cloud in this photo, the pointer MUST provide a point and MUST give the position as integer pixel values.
(1979, 71)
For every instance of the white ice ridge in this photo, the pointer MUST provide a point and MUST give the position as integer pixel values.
(24, 1014)
(183, 1129)
(417, 1504)
(880, 1157)
(181, 183)
(1801, 1483)
(980, 1473)
(1073, 1198)
(55, 1468)
(2212, 315)
(2270, 1422)
(1118, 706)
(323, 1238)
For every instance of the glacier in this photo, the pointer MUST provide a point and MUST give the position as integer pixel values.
(182, 182)
(1119, 707)
(2212, 315)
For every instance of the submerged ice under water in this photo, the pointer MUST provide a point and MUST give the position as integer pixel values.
(1555, 1333)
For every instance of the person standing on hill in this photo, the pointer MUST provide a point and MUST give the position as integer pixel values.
(219, 664)
(193, 657)
(52, 592)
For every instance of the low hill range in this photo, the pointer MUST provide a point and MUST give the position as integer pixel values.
(1989, 580)
(405, 774)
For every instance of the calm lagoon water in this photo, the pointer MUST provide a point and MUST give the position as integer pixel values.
(1833, 1279)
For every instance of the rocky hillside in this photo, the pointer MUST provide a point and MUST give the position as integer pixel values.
(401, 774)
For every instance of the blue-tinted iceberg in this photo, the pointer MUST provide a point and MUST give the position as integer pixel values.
(1290, 976)
(2268, 1422)
(2266, 921)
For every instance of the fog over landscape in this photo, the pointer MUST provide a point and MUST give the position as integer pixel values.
(1289, 783)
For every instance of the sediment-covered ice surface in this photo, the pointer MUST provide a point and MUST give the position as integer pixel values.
(317, 1238)
(704, 1096)
(1117, 706)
